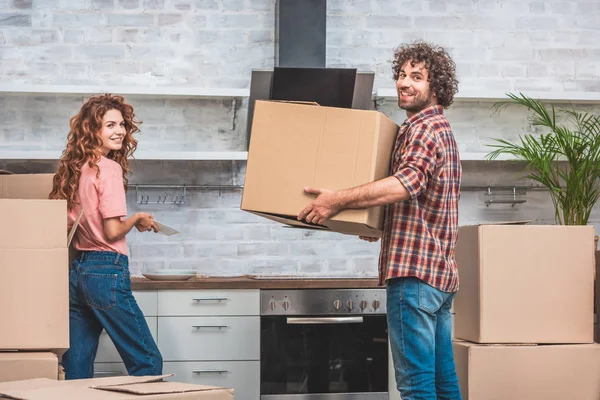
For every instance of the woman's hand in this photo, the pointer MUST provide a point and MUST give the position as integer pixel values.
(145, 222)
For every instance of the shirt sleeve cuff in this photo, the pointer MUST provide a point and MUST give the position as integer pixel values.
(410, 180)
(113, 213)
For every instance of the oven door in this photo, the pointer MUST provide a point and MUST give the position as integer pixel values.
(324, 357)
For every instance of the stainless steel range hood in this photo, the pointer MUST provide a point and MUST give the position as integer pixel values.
(300, 41)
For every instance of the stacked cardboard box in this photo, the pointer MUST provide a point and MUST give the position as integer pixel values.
(597, 302)
(34, 292)
(298, 145)
(524, 314)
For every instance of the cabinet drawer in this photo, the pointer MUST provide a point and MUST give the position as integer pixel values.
(242, 376)
(208, 302)
(107, 352)
(209, 338)
(103, 370)
(148, 302)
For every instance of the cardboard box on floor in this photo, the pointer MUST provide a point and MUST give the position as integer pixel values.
(34, 292)
(20, 365)
(293, 146)
(528, 372)
(113, 388)
(525, 284)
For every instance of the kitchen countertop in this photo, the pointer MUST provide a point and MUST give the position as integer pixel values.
(244, 282)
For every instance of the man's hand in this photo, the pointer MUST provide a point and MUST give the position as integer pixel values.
(145, 223)
(326, 205)
(368, 238)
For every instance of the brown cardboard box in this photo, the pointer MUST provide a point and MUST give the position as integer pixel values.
(34, 291)
(18, 365)
(597, 303)
(525, 284)
(528, 372)
(113, 388)
(298, 145)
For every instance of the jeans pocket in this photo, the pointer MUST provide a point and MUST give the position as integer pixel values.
(100, 289)
(430, 299)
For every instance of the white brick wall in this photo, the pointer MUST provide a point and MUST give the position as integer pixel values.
(498, 46)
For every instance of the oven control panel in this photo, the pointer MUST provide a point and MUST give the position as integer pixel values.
(323, 302)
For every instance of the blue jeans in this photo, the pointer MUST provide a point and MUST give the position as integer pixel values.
(420, 331)
(100, 298)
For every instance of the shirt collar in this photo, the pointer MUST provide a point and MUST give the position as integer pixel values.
(429, 111)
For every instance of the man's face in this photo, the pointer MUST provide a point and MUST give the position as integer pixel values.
(414, 92)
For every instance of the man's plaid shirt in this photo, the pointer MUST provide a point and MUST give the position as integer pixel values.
(420, 234)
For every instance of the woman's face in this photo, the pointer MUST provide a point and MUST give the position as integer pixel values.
(112, 132)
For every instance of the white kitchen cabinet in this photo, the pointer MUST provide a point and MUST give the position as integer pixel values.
(208, 302)
(241, 376)
(148, 302)
(103, 370)
(209, 338)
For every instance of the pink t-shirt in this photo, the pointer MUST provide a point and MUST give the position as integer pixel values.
(101, 197)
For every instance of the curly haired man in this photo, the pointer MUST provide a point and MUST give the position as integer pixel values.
(421, 196)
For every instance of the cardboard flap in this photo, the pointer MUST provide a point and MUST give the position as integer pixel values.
(26, 186)
(115, 381)
(59, 392)
(158, 388)
(289, 220)
(520, 222)
(307, 103)
(74, 227)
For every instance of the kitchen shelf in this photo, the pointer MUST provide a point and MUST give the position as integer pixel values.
(469, 156)
(140, 155)
(488, 96)
(165, 91)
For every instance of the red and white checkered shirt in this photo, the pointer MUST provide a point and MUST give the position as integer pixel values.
(420, 234)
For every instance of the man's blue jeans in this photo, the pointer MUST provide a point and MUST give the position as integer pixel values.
(420, 331)
(100, 298)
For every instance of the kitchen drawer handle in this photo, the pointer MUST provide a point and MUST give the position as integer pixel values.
(210, 326)
(210, 371)
(325, 320)
(219, 299)
(109, 373)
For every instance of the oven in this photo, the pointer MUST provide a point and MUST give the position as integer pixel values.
(323, 344)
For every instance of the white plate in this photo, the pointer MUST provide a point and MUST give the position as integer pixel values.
(172, 272)
(167, 277)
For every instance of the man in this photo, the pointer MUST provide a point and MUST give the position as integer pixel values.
(421, 224)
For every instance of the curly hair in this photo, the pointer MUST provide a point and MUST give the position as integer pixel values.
(84, 143)
(441, 69)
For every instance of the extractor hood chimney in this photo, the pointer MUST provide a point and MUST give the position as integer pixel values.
(300, 41)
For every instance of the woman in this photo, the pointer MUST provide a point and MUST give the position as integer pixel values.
(92, 178)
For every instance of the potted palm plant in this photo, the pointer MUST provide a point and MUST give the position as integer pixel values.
(566, 160)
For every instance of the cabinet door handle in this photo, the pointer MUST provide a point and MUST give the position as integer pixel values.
(210, 371)
(210, 326)
(109, 373)
(219, 299)
(325, 320)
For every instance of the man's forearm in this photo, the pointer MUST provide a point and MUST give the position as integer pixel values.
(382, 192)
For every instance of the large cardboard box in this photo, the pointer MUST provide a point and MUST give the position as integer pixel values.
(34, 284)
(19, 365)
(113, 388)
(597, 303)
(528, 372)
(298, 145)
(525, 284)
